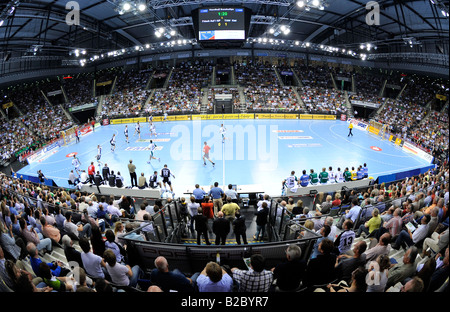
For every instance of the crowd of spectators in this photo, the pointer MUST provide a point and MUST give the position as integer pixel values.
(185, 90)
(321, 100)
(79, 90)
(376, 219)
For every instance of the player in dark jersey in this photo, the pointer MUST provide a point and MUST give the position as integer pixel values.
(165, 174)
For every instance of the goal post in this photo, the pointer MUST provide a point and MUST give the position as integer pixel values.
(68, 136)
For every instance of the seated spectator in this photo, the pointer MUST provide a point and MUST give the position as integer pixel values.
(289, 274)
(57, 283)
(169, 280)
(93, 264)
(346, 264)
(256, 279)
(382, 247)
(357, 282)
(399, 272)
(121, 275)
(213, 278)
(378, 274)
(320, 270)
(409, 238)
(72, 255)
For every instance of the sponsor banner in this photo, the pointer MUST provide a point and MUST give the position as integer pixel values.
(158, 118)
(306, 116)
(105, 122)
(295, 137)
(7, 105)
(305, 145)
(85, 130)
(398, 142)
(178, 117)
(142, 148)
(70, 155)
(231, 116)
(330, 117)
(358, 124)
(374, 130)
(53, 93)
(198, 117)
(343, 117)
(129, 120)
(408, 147)
(97, 125)
(262, 116)
(441, 97)
(376, 148)
(277, 116)
(318, 117)
(246, 116)
(102, 84)
(44, 153)
(290, 116)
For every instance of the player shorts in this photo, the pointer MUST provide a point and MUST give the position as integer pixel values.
(166, 180)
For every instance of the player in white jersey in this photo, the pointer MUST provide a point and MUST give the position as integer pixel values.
(126, 133)
(153, 130)
(165, 116)
(345, 240)
(339, 176)
(113, 142)
(331, 175)
(99, 154)
(152, 148)
(222, 131)
(76, 163)
(137, 129)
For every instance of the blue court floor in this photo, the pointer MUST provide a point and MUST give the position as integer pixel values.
(261, 152)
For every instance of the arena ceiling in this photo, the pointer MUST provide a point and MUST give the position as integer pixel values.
(39, 27)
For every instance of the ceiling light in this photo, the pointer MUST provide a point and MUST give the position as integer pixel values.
(173, 32)
(272, 31)
(142, 7)
(300, 4)
(126, 6)
(316, 3)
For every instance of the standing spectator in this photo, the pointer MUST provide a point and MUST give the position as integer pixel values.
(230, 209)
(256, 279)
(231, 193)
(91, 172)
(201, 226)
(261, 221)
(105, 172)
(217, 194)
(199, 194)
(133, 176)
(240, 229)
(221, 228)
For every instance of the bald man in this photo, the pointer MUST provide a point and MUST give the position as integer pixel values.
(168, 280)
(221, 227)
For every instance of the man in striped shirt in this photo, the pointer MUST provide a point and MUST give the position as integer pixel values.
(255, 280)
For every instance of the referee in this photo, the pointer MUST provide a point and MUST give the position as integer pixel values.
(350, 128)
(132, 169)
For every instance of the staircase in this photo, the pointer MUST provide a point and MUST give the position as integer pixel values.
(147, 86)
(149, 98)
(297, 79)
(350, 111)
(382, 88)
(205, 102)
(99, 109)
(280, 81)
(401, 91)
(233, 77)
(213, 77)
(299, 98)
(334, 82)
(242, 100)
(166, 83)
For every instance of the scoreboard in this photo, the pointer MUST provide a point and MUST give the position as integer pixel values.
(221, 23)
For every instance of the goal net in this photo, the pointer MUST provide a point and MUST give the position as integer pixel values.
(68, 136)
(377, 128)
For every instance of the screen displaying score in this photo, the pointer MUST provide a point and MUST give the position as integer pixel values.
(221, 24)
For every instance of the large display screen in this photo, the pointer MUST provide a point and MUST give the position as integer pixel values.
(221, 24)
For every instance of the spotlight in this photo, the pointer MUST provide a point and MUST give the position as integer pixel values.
(126, 6)
(142, 7)
(300, 4)
(316, 3)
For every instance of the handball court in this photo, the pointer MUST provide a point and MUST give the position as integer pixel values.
(254, 152)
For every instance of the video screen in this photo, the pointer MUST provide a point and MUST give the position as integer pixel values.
(221, 24)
